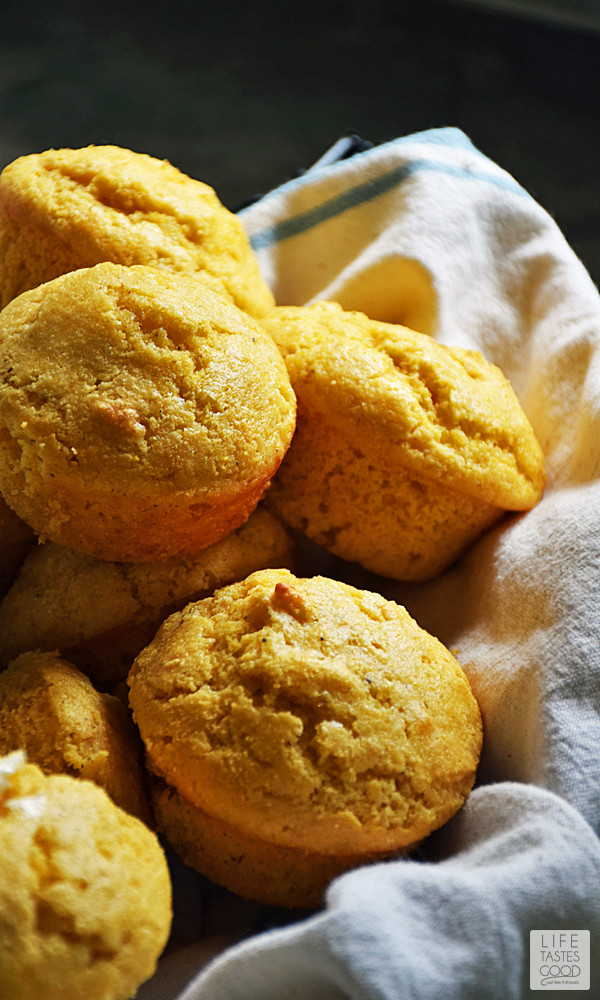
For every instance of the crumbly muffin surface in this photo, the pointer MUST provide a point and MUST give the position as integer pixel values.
(139, 396)
(64, 209)
(308, 713)
(445, 412)
(52, 711)
(404, 450)
(85, 894)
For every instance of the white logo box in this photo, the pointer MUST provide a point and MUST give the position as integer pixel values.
(559, 960)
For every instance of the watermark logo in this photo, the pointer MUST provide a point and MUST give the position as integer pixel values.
(559, 960)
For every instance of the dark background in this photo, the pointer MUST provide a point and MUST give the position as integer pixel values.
(244, 96)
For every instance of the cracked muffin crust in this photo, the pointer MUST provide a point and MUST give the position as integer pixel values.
(51, 710)
(142, 415)
(100, 614)
(306, 718)
(65, 209)
(85, 893)
(405, 450)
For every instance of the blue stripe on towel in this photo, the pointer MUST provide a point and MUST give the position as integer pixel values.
(370, 189)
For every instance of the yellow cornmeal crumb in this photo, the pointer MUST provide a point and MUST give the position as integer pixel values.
(64, 209)
(51, 710)
(177, 404)
(308, 714)
(85, 894)
(405, 450)
(100, 614)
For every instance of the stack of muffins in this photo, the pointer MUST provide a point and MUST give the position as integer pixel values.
(166, 432)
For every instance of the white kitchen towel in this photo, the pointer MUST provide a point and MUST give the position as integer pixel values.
(427, 231)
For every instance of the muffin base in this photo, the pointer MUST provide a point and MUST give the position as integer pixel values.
(126, 528)
(246, 865)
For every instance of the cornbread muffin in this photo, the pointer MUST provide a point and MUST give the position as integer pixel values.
(85, 893)
(142, 415)
(405, 450)
(300, 727)
(64, 209)
(52, 711)
(16, 538)
(100, 614)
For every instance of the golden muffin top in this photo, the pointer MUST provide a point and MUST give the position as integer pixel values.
(85, 894)
(140, 381)
(64, 209)
(52, 711)
(444, 412)
(308, 713)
